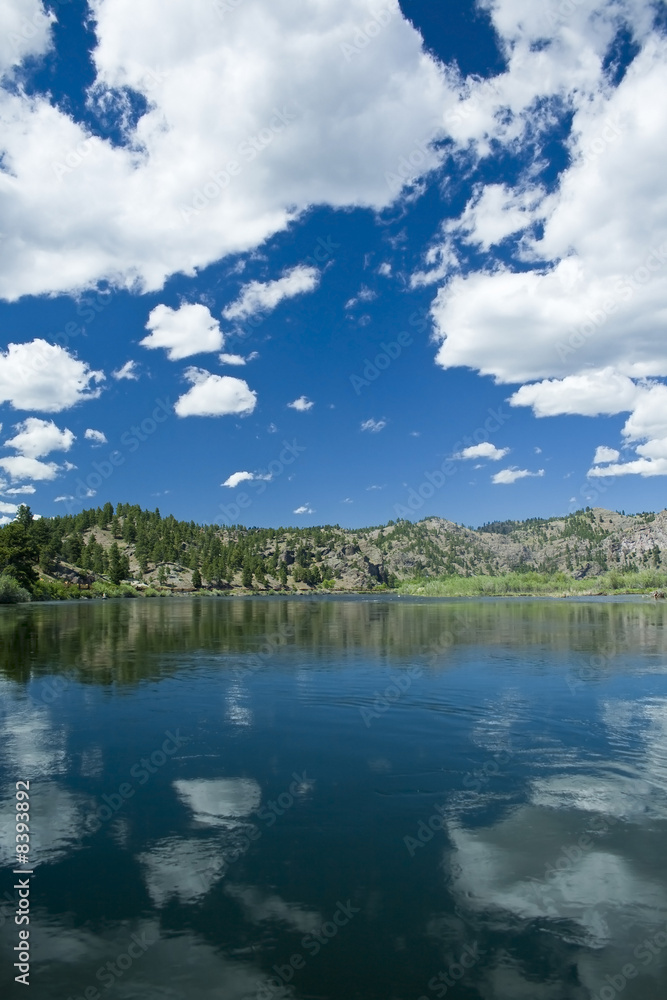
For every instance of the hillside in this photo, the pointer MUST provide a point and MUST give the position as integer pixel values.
(102, 547)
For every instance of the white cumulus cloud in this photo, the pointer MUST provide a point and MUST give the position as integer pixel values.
(215, 396)
(17, 491)
(304, 509)
(304, 125)
(589, 394)
(36, 438)
(508, 476)
(19, 467)
(302, 404)
(236, 478)
(97, 437)
(258, 297)
(45, 377)
(126, 371)
(231, 359)
(483, 450)
(182, 332)
(605, 454)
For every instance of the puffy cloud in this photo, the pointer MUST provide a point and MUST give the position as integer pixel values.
(605, 454)
(241, 477)
(36, 438)
(17, 491)
(19, 467)
(25, 30)
(231, 359)
(236, 478)
(42, 376)
(646, 429)
(126, 371)
(302, 404)
(590, 394)
(637, 467)
(508, 476)
(495, 212)
(306, 124)
(8, 508)
(374, 426)
(185, 331)
(97, 437)
(257, 297)
(484, 450)
(215, 396)
(304, 509)
(582, 326)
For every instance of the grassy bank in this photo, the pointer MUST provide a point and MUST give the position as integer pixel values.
(538, 584)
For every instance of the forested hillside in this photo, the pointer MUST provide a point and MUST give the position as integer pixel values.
(103, 548)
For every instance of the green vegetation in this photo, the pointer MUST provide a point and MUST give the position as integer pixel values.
(538, 584)
(12, 592)
(127, 551)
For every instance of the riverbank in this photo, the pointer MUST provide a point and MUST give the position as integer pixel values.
(537, 585)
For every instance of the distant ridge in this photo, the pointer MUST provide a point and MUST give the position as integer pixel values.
(126, 543)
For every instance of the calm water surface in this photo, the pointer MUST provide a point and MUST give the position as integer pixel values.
(338, 798)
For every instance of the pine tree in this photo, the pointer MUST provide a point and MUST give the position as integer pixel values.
(247, 573)
(196, 579)
(118, 565)
(18, 551)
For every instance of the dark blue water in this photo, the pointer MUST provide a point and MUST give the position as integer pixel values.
(338, 798)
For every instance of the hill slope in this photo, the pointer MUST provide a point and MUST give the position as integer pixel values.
(126, 543)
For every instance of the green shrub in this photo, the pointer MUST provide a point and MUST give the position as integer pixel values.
(100, 588)
(12, 592)
(55, 590)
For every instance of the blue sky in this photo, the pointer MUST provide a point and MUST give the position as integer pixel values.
(335, 263)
